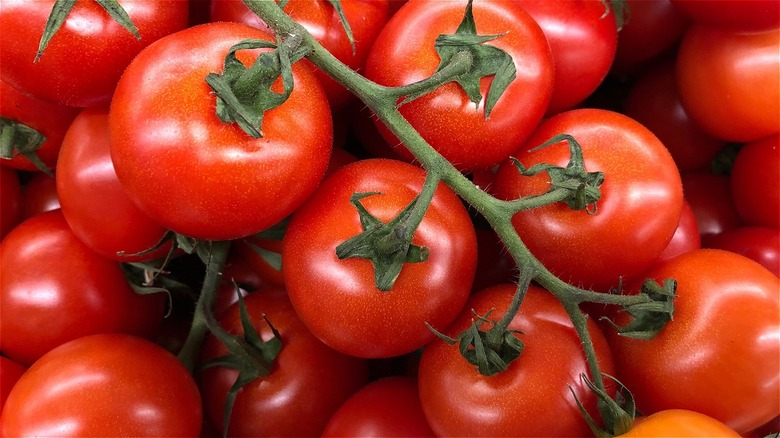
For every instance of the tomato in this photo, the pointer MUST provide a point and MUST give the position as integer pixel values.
(39, 195)
(10, 200)
(388, 406)
(679, 423)
(404, 53)
(533, 397)
(48, 119)
(654, 102)
(55, 289)
(87, 183)
(686, 237)
(166, 132)
(338, 299)
(761, 244)
(712, 203)
(104, 385)
(307, 383)
(494, 263)
(366, 19)
(728, 83)
(10, 372)
(722, 340)
(755, 182)
(596, 250)
(745, 15)
(85, 58)
(580, 32)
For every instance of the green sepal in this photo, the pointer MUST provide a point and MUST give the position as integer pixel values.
(274, 259)
(146, 279)
(275, 232)
(648, 319)
(620, 8)
(344, 22)
(584, 186)
(617, 414)
(19, 139)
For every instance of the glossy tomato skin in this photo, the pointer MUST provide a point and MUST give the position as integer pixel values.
(366, 19)
(581, 33)
(728, 81)
(307, 383)
(338, 299)
(761, 244)
(686, 237)
(49, 119)
(722, 340)
(595, 250)
(104, 385)
(755, 182)
(679, 423)
(85, 58)
(10, 200)
(87, 183)
(404, 53)
(530, 398)
(10, 372)
(224, 197)
(55, 289)
(386, 407)
(740, 15)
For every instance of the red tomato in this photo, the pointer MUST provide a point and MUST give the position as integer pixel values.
(654, 102)
(530, 398)
(686, 237)
(48, 119)
(307, 383)
(680, 423)
(494, 263)
(366, 19)
(760, 244)
(39, 195)
(596, 250)
(745, 15)
(728, 81)
(87, 183)
(338, 300)
(85, 58)
(387, 407)
(10, 200)
(10, 372)
(755, 182)
(104, 385)
(54, 289)
(712, 203)
(404, 53)
(580, 33)
(236, 185)
(722, 340)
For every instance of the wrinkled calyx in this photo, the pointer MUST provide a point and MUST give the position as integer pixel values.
(649, 318)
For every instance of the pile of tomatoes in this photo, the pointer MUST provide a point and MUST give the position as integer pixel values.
(131, 185)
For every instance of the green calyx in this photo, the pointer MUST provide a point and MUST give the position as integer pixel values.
(61, 9)
(582, 186)
(648, 319)
(19, 139)
(244, 93)
(617, 413)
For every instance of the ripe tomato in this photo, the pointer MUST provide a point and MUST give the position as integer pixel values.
(307, 383)
(87, 183)
(680, 423)
(366, 19)
(722, 340)
(621, 239)
(728, 81)
(85, 58)
(167, 131)
(761, 244)
(742, 15)
(10, 372)
(712, 203)
(580, 32)
(404, 53)
(686, 237)
(39, 195)
(104, 385)
(54, 289)
(10, 200)
(338, 300)
(387, 407)
(755, 182)
(530, 398)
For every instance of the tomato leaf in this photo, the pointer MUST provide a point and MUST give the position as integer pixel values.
(18, 138)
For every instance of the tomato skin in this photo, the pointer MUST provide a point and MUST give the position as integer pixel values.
(307, 383)
(679, 423)
(755, 182)
(760, 244)
(55, 289)
(404, 53)
(10, 200)
(721, 341)
(10, 372)
(87, 183)
(580, 32)
(39, 195)
(85, 58)
(712, 203)
(744, 15)
(104, 385)
(388, 406)
(531, 397)
(595, 250)
(728, 81)
(686, 237)
(338, 300)
(225, 197)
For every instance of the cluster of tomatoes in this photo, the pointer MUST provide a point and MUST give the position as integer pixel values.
(113, 143)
